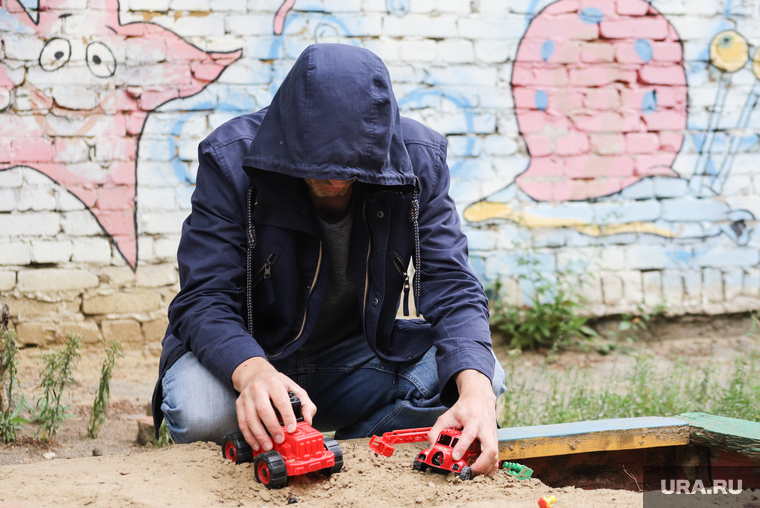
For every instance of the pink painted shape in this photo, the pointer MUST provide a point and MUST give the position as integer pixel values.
(282, 12)
(605, 99)
(37, 141)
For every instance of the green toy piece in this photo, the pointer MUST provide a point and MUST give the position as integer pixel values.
(517, 470)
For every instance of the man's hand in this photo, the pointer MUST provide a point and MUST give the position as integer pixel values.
(260, 386)
(475, 414)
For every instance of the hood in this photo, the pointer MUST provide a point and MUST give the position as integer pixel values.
(334, 117)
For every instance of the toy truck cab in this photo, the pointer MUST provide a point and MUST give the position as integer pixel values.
(304, 451)
(439, 457)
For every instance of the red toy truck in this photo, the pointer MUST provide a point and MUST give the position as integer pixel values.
(437, 456)
(304, 451)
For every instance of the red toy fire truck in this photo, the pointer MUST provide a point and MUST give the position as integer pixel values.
(437, 456)
(304, 451)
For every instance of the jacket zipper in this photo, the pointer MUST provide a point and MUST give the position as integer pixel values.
(265, 272)
(366, 267)
(306, 310)
(399, 264)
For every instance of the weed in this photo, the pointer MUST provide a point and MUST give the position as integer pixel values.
(57, 377)
(632, 325)
(551, 320)
(10, 408)
(643, 389)
(113, 351)
(164, 437)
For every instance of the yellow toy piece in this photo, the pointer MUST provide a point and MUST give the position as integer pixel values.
(546, 501)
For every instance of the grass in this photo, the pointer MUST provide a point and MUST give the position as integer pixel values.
(643, 389)
(57, 378)
(113, 351)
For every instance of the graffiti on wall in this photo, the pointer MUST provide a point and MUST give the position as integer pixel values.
(601, 102)
(77, 113)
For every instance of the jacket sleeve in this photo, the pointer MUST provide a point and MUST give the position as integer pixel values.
(452, 298)
(206, 315)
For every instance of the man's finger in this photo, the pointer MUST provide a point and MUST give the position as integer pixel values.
(240, 406)
(282, 402)
(445, 421)
(308, 408)
(486, 462)
(464, 442)
(269, 419)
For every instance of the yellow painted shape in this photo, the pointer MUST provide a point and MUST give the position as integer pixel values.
(630, 439)
(485, 210)
(729, 51)
(756, 63)
(631, 227)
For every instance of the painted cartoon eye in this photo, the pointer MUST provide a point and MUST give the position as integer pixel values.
(55, 54)
(100, 60)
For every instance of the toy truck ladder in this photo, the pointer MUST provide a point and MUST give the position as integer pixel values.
(384, 445)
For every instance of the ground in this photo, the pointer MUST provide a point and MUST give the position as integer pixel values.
(115, 471)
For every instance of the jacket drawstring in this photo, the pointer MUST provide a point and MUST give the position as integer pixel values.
(251, 234)
(415, 220)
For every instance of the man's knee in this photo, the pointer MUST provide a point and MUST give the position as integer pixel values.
(196, 405)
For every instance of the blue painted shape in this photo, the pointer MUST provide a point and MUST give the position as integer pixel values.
(588, 427)
(680, 255)
(542, 100)
(547, 50)
(644, 50)
(649, 103)
(738, 256)
(711, 169)
(591, 15)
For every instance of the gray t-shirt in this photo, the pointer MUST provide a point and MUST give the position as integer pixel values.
(339, 316)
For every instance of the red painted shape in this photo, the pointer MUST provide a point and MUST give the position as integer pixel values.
(101, 107)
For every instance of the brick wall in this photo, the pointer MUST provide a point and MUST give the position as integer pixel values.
(613, 141)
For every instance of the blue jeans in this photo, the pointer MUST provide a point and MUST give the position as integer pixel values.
(356, 394)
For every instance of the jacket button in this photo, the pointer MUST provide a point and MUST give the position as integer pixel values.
(380, 214)
(375, 301)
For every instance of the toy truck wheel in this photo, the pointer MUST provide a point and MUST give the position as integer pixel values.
(465, 474)
(236, 449)
(270, 470)
(333, 446)
(419, 466)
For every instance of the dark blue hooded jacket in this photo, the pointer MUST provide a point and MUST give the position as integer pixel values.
(251, 260)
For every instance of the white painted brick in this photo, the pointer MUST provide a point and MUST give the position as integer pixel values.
(11, 178)
(30, 224)
(207, 26)
(590, 290)
(91, 250)
(672, 287)
(33, 177)
(712, 289)
(461, 7)
(37, 199)
(190, 5)
(421, 6)
(499, 145)
(510, 27)
(732, 283)
(612, 286)
(157, 198)
(247, 72)
(405, 74)
(80, 223)
(161, 222)
(227, 6)
(455, 51)
(54, 279)
(414, 25)
(7, 200)
(15, 253)
(632, 286)
(20, 47)
(342, 5)
(149, 5)
(145, 248)
(58, 251)
(652, 282)
(417, 51)
(462, 75)
(157, 275)
(386, 49)
(249, 24)
(166, 248)
(7, 281)
(494, 51)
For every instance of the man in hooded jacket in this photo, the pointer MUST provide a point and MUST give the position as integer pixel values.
(304, 220)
